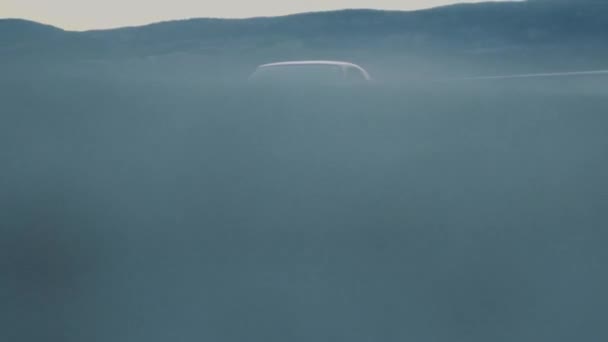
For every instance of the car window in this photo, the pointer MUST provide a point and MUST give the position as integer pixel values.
(309, 74)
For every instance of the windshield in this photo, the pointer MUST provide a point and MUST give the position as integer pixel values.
(306, 74)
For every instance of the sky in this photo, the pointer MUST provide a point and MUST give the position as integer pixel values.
(98, 14)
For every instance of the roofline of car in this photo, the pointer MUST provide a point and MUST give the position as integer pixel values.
(317, 62)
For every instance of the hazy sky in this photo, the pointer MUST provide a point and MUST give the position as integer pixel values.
(89, 14)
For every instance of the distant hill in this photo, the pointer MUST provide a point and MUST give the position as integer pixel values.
(16, 31)
(468, 25)
(483, 28)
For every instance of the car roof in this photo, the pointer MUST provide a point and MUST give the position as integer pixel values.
(333, 63)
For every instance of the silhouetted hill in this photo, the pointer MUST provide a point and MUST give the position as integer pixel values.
(539, 28)
(18, 31)
(471, 24)
(27, 41)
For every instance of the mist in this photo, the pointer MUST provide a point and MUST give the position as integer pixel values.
(164, 199)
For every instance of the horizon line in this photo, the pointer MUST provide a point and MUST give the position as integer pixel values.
(109, 28)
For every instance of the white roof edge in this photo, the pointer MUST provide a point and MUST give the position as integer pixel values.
(339, 63)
